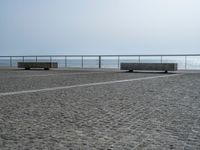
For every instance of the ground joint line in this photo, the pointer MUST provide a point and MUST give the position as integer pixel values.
(54, 74)
(85, 85)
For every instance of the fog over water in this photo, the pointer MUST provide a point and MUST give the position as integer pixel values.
(99, 27)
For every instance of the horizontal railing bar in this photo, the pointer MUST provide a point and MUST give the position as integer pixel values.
(156, 55)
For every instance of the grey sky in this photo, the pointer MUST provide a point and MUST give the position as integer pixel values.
(99, 27)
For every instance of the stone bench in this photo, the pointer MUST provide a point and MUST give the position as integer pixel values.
(45, 65)
(149, 66)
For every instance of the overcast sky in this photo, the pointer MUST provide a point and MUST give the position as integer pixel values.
(99, 27)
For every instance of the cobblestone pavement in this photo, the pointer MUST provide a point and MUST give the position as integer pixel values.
(159, 113)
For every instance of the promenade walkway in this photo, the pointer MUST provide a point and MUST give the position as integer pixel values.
(98, 109)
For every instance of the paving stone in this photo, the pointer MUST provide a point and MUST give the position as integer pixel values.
(160, 113)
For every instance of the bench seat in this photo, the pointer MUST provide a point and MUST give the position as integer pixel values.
(149, 66)
(45, 65)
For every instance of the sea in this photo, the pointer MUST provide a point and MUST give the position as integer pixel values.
(189, 63)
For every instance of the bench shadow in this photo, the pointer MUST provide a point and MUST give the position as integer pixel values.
(29, 70)
(149, 72)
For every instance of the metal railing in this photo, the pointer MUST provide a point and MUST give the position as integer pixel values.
(185, 61)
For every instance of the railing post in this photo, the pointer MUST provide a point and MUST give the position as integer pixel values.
(65, 61)
(185, 62)
(23, 58)
(161, 59)
(50, 59)
(139, 59)
(118, 62)
(99, 62)
(81, 61)
(10, 61)
(36, 58)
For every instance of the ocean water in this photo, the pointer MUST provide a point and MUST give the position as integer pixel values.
(191, 63)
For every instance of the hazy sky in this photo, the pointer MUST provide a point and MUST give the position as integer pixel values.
(99, 27)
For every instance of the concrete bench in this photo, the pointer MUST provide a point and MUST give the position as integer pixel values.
(45, 65)
(149, 66)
